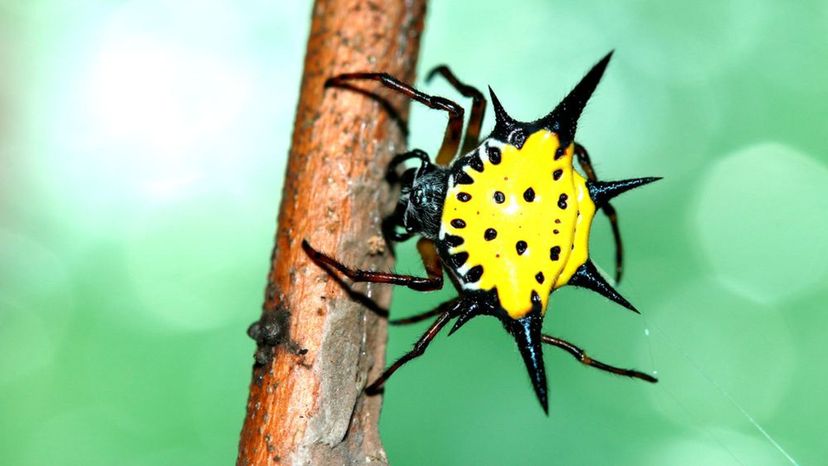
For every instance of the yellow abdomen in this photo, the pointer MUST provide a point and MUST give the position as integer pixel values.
(524, 221)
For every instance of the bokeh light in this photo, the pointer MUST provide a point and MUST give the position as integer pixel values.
(756, 223)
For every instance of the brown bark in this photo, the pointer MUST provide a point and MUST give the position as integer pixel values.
(317, 347)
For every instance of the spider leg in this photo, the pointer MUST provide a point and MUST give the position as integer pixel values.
(392, 175)
(451, 139)
(419, 347)
(427, 250)
(478, 109)
(389, 230)
(580, 355)
(423, 315)
(585, 163)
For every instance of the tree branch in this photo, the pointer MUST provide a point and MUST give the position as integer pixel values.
(317, 347)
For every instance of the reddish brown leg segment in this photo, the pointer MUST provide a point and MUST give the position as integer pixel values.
(580, 355)
(478, 110)
(585, 163)
(419, 349)
(431, 261)
(451, 139)
(423, 315)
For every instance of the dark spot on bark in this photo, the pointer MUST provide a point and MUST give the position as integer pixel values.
(270, 331)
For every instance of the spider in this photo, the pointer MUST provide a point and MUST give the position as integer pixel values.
(509, 219)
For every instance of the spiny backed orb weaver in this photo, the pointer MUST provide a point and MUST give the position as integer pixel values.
(509, 219)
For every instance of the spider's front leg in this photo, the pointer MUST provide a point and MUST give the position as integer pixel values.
(478, 109)
(454, 129)
(427, 250)
(392, 175)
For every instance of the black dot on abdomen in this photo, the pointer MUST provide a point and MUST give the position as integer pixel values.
(520, 247)
(556, 175)
(529, 195)
(562, 200)
(494, 155)
(560, 152)
(476, 163)
(453, 240)
(474, 274)
(458, 223)
(490, 234)
(499, 197)
(464, 178)
(457, 260)
(555, 253)
(463, 197)
(539, 277)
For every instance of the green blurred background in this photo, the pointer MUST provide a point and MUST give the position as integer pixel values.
(143, 148)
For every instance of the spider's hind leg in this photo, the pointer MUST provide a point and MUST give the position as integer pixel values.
(424, 315)
(421, 344)
(580, 355)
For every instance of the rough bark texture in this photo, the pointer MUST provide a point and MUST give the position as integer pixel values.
(318, 348)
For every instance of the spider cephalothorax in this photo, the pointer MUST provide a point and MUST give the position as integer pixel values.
(509, 219)
(422, 193)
